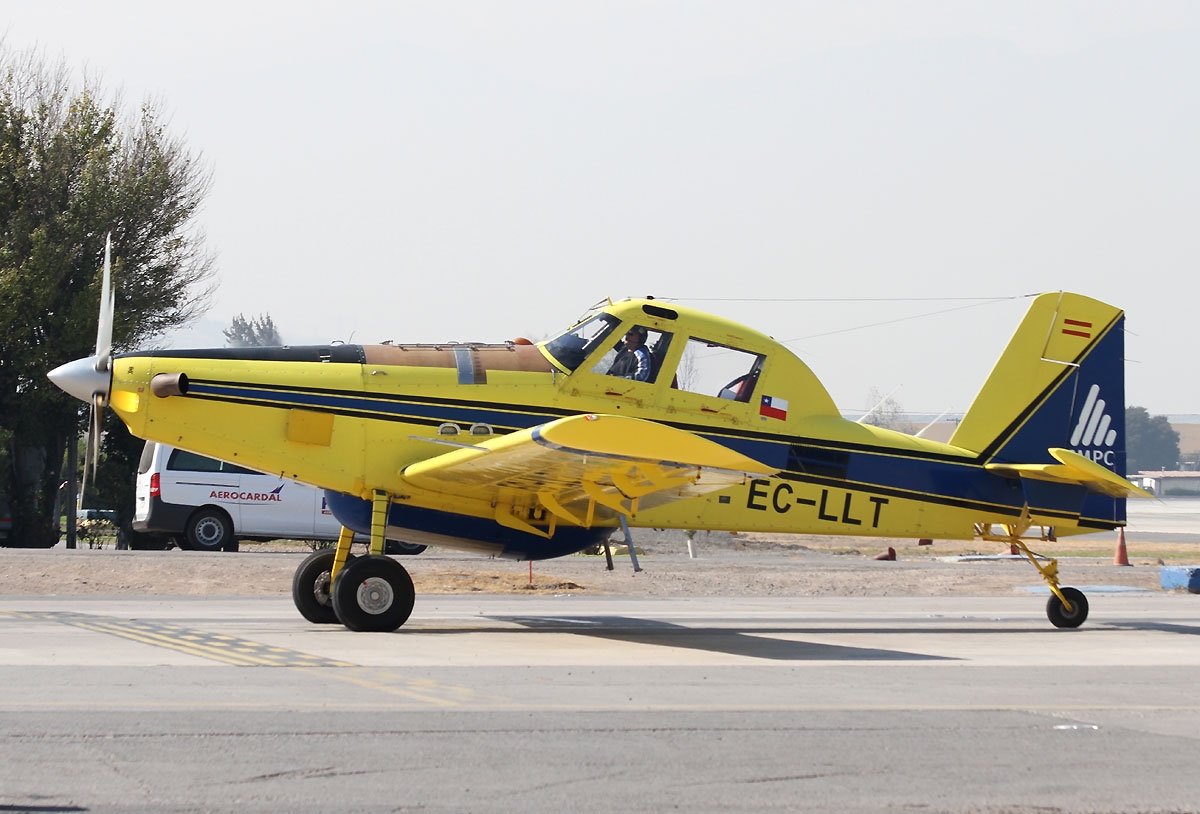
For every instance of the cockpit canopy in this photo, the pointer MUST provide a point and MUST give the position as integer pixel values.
(690, 351)
(573, 345)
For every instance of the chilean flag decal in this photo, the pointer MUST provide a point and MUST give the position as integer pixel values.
(773, 407)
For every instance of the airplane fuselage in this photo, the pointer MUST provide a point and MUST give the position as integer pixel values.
(350, 419)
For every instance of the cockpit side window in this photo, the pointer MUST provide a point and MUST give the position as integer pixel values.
(710, 368)
(571, 347)
(656, 343)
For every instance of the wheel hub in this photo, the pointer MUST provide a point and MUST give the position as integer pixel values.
(375, 595)
(208, 532)
(321, 589)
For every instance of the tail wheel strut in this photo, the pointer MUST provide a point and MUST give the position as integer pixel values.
(1067, 607)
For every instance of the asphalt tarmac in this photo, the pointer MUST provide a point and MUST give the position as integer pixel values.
(553, 704)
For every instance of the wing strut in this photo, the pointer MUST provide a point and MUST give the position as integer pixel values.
(629, 543)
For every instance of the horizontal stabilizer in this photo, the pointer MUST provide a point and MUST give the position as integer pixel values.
(1076, 469)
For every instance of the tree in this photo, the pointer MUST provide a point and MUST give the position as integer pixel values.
(256, 332)
(1150, 441)
(73, 168)
(884, 411)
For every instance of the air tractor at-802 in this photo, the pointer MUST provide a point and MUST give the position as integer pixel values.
(641, 412)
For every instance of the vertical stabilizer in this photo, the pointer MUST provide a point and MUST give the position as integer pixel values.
(1059, 384)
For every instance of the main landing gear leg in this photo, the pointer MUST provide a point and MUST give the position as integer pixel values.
(374, 593)
(1067, 607)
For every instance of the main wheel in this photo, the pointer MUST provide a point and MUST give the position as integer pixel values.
(209, 530)
(1059, 616)
(374, 594)
(310, 587)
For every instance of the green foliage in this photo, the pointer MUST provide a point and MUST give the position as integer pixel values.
(256, 332)
(1150, 441)
(72, 169)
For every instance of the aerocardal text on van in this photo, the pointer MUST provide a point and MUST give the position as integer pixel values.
(208, 505)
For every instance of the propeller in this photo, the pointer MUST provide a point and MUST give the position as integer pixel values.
(103, 364)
(90, 379)
(91, 455)
(104, 325)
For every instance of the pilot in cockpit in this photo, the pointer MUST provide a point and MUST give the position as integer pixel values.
(634, 362)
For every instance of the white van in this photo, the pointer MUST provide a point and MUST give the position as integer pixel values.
(209, 505)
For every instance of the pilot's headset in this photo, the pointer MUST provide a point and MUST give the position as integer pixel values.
(640, 330)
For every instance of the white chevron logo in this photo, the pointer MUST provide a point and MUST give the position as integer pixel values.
(1093, 427)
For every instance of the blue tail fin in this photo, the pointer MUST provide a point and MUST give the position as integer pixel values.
(1060, 384)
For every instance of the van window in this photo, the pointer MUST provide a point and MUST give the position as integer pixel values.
(147, 459)
(183, 461)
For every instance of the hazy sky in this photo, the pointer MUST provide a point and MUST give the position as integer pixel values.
(479, 171)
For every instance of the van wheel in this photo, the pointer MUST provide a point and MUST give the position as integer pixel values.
(209, 530)
(399, 547)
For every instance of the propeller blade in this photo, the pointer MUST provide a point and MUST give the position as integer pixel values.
(91, 454)
(104, 327)
(97, 429)
(87, 457)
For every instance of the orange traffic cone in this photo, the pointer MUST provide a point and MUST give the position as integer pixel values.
(1122, 555)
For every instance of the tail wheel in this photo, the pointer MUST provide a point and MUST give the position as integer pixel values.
(1058, 614)
(310, 587)
(374, 594)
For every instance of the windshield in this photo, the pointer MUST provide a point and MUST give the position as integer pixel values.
(570, 348)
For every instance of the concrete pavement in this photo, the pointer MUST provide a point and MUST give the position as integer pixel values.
(545, 703)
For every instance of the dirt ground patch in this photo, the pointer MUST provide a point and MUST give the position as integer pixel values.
(725, 564)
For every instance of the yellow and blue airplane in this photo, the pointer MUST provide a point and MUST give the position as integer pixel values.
(532, 451)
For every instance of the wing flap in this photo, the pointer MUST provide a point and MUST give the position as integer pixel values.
(584, 466)
(1074, 468)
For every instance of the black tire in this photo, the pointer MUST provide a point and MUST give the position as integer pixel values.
(209, 530)
(373, 594)
(139, 541)
(181, 542)
(1059, 617)
(310, 587)
(400, 548)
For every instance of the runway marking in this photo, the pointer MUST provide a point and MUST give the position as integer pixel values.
(424, 696)
(214, 646)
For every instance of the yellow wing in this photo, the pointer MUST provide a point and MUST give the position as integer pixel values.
(583, 467)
